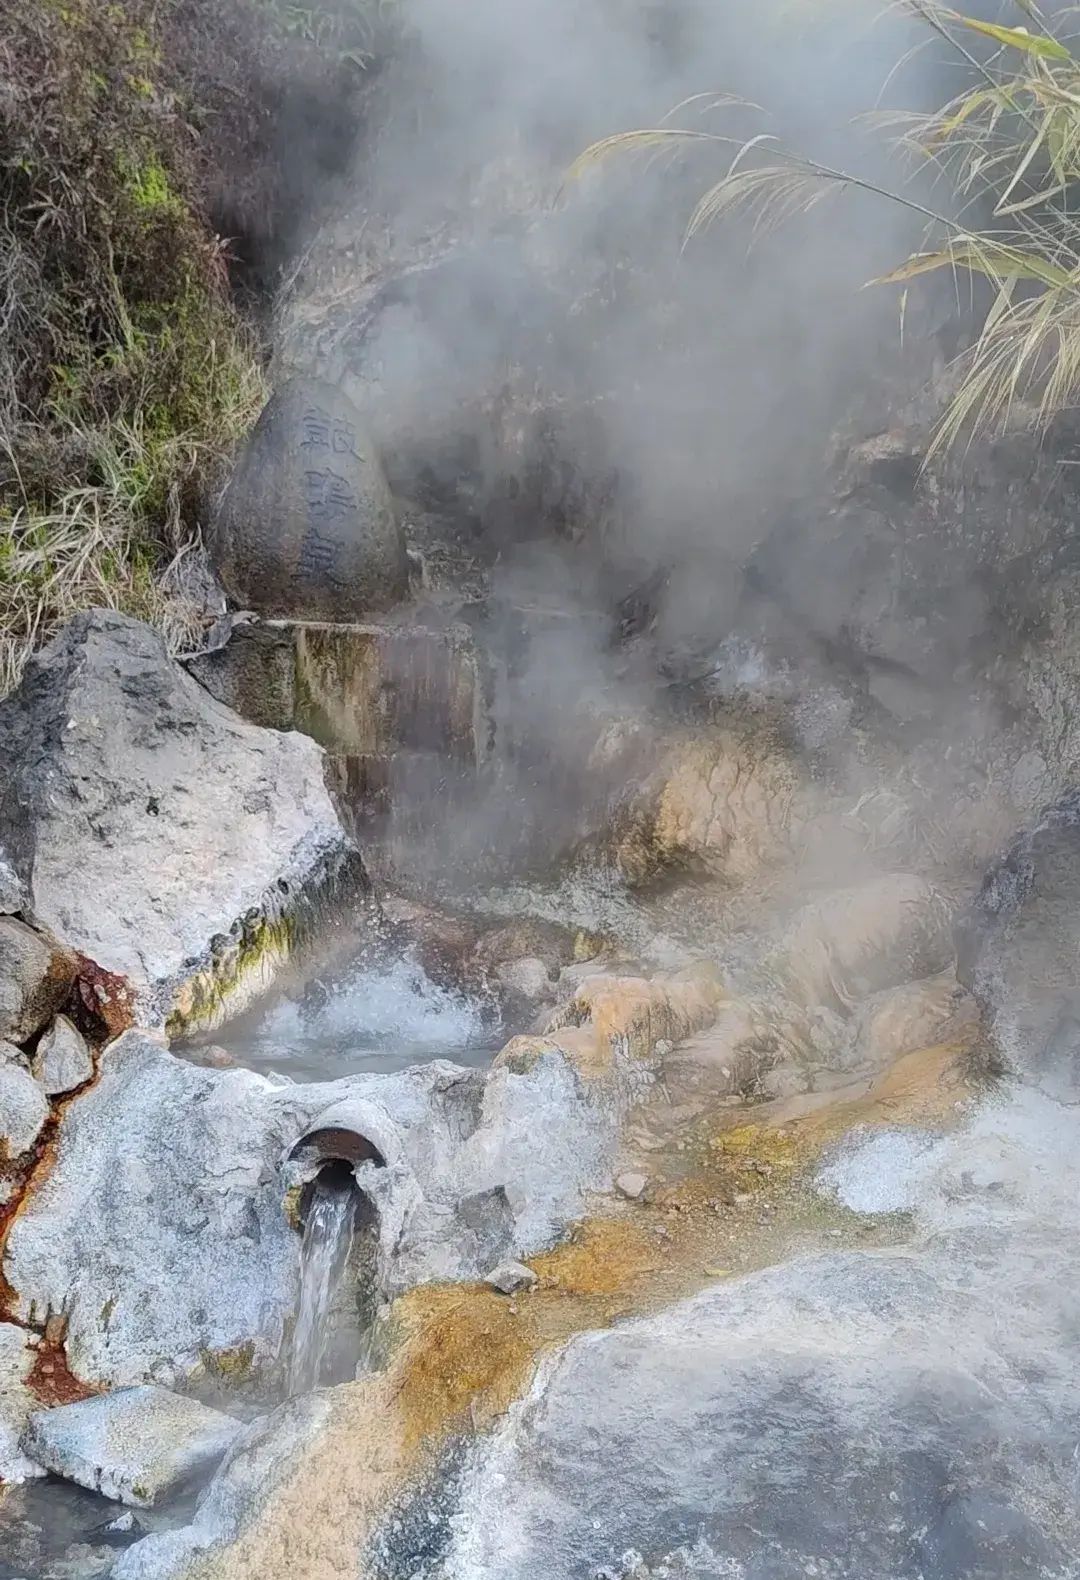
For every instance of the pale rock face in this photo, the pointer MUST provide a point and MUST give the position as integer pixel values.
(137, 1445)
(62, 1061)
(149, 824)
(851, 1414)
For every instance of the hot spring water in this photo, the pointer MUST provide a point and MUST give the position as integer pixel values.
(329, 1231)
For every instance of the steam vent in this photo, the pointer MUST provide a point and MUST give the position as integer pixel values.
(539, 790)
(307, 527)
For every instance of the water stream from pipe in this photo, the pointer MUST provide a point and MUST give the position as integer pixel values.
(328, 1237)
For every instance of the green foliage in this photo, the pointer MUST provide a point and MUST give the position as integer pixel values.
(126, 373)
(1002, 163)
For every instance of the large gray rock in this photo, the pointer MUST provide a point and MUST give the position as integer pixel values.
(1018, 947)
(35, 979)
(23, 1111)
(17, 1404)
(182, 851)
(161, 1231)
(137, 1445)
(307, 527)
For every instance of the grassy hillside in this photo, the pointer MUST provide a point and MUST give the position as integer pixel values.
(145, 206)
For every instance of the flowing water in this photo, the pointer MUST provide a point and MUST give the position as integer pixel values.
(328, 1237)
(369, 1017)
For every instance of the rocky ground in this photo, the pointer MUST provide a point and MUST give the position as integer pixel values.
(704, 1275)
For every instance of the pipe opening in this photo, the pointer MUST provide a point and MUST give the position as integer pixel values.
(335, 1144)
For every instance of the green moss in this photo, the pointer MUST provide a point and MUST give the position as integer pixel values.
(148, 186)
(233, 1366)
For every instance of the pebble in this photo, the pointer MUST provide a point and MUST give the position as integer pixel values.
(510, 1277)
(632, 1185)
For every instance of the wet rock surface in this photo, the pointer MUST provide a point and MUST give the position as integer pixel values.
(138, 1445)
(16, 1403)
(307, 527)
(169, 843)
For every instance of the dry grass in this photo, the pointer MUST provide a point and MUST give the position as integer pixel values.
(993, 176)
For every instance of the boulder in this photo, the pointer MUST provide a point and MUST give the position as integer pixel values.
(23, 1111)
(35, 979)
(903, 1019)
(859, 941)
(307, 527)
(1017, 949)
(17, 1404)
(180, 851)
(62, 1061)
(138, 1445)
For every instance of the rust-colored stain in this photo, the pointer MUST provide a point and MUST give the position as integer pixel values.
(51, 1380)
(106, 1001)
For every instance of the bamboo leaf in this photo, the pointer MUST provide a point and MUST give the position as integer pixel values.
(1041, 44)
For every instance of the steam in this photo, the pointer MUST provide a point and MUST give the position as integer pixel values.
(631, 434)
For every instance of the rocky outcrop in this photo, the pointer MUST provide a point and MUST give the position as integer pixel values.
(307, 527)
(859, 941)
(724, 802)
(180, 852)
(847, 1414)
(855, 1413)
(162, 1235)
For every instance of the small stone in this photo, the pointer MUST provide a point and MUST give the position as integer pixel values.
(62, 1061)
(124, 1524)
(632, 1185)
(135, 1445)
(510, 1277)
(23, 1110)
(664, 1047)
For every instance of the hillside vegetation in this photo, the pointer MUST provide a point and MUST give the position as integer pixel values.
(146, 204)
